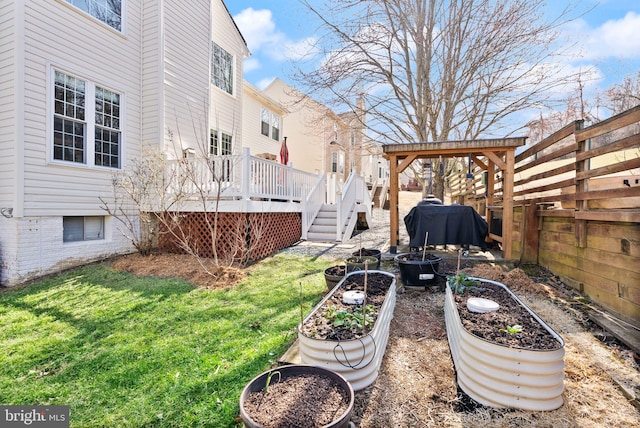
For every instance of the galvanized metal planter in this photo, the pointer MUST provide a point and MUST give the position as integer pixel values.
(500, 376)
(358, 360)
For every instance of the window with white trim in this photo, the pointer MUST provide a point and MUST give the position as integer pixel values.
(337, 162)
(221, 144)
(107, 11)
(77, 228)
(270, 124)
(84, 112)
(221, 68)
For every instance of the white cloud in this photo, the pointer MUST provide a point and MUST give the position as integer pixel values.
(257, 27)
(613, 39)
(250, 64)
(264, 39)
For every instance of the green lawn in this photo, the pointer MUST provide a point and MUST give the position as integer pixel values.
(123, 351)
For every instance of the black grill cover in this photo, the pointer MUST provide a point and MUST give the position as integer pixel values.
(446, 224)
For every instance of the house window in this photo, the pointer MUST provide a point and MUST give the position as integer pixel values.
(222, 145)
(82, 228)
(270, 124)
(107, 11)
(337, 162)
(222, 68)
(85, 112)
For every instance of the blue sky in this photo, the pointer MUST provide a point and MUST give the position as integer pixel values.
(607, 38)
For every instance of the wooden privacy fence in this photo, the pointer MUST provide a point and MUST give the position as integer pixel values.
(577, 208)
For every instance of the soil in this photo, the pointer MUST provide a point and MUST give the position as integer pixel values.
(324, 401)
(338, 270)
(321, 324)
(494, 326)
(417, 257)
(366, 252)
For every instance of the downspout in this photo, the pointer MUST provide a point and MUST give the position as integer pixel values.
(19, 78)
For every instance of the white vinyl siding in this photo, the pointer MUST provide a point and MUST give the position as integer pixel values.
(225, 112)
(186, 75)
(9, 70)
(94, 53)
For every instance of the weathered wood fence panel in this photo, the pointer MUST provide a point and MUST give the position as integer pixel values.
(577, 209)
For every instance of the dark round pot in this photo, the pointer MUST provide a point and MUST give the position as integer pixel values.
(333, 275)
(368, 252)
(417, 272)
(259, 382)
(358, 263)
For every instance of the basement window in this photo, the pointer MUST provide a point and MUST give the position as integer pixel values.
(76, 228)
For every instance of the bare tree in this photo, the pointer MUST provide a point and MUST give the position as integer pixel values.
(623, 96)
(140, 190)
(434, 70)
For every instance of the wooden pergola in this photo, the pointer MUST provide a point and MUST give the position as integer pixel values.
(489, 154)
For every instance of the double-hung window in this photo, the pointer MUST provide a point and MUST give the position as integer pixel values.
(86, 122)
(221, 68)
(107, 11)
(270, 124)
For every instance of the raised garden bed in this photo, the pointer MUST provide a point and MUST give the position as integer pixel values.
(344, 338)
(507, 358)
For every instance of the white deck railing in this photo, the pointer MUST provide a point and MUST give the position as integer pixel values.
(354, 192)
(241, 177)
(313, 203)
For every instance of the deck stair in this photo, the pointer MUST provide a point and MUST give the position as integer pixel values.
(323, 228)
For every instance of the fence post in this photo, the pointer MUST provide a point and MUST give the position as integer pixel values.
(530, 234)
(246, 173)
(581, 187)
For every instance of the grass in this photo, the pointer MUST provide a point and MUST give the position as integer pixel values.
(128, 351)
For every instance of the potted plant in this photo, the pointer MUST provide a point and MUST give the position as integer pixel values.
(348, 334)
(297, 395)
(506, 356)
(333, 275)
(355, 263)
(367, 252)
(418, 269)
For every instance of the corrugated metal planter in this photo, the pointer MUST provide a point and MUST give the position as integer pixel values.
(358, 360)
(500, 376)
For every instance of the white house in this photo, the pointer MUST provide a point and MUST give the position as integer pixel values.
(87, 87)
(84, 87)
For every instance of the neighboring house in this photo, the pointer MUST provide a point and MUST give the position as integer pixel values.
(85, 86)
(321, 140)
(262, 124)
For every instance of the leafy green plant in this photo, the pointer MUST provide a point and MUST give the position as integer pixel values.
(463, 281)
(351, 317)
(515, 329)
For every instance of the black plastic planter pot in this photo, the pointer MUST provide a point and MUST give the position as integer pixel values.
(258, 383)
(417, 272)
